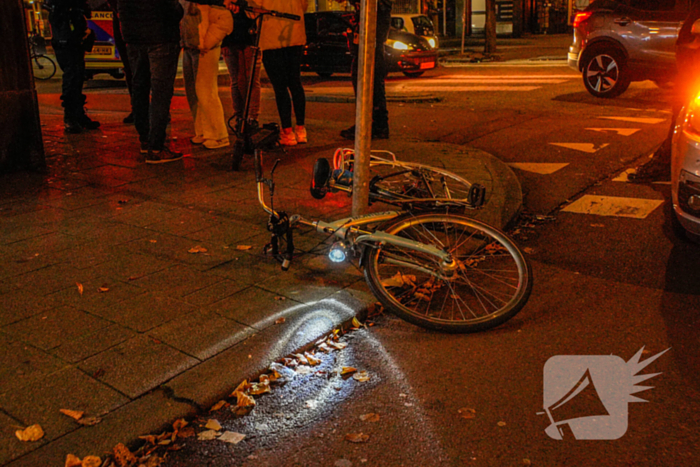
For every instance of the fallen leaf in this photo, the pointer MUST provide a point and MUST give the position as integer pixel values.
(179, 424)
(356, 322)
(155, 241)
(103, 289)
(241, 387)
(122, 456)
(302, 358)
(243, 247)
(92, 461)
(501, 423)
(186, 432)
(164, 442)
(313, 361)
(217, 406)
(361, 376)
(357, 437)
(337, 345)
(231, 437)
(260, 388)
(213, 424)
(197, 249)
(72, 461)
(31, 433)
(80, 288)
(153, 461)
(304, 370)
(89, 421)
(74, 414)
(150, 439)
(467, 413)
(347, 370)
(207, 435)
(323, 347)
(280, 320)
(244, 400)
(527, 250)
(370, 417)
(400, 280)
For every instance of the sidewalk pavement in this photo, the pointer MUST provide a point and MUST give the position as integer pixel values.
(104, 308)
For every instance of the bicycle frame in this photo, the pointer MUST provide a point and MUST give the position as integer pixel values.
(349, 228)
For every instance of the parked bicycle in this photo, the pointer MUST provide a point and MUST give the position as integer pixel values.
(43, 67)
(429, 263)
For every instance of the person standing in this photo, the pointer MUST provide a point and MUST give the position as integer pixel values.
(238, 52)
(282, 42)
(203, 28)
(70, 40)
(380, 113)
(151, 30)
(121, 49)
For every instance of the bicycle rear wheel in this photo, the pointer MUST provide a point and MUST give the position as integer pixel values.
(491, 284)
(409, 183)
(43, 67)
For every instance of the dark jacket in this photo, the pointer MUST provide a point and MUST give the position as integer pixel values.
(150, 21)
(68, 22)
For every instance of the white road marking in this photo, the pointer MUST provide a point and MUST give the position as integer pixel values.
(590, 148)
(508, 76)
(650, 121)
(619, 131)
(624, 176)
(489, 80)
(465, 88)
(635, 208)
(538, 167)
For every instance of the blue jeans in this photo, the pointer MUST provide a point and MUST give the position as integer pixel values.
(154, 67)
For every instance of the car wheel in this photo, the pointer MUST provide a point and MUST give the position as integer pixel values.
(605, 74)
(413, 74)
(324, 74)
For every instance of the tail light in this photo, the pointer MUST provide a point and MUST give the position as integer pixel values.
(581, 17)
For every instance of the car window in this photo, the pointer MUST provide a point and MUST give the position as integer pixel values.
(422, 25)
(397, 23)
(331, 24)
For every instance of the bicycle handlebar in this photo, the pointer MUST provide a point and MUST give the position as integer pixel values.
(278, 14)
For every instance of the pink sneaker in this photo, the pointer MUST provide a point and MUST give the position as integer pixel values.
(287, 137)
(300, 133)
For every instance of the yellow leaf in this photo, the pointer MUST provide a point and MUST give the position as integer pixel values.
(357, 437)
(259, 388)
(31, 433)
(72, 461)
(150, 439)
(370, 417)
(179, 424)
(197, 249)
(361, 376)
(213, 425)
(356, 322)
(243, 247)
(74, 414)
(313, 361)
(217, 406)
(80, 288)
(122, 456)
(103, 289)
(241, 387)
(347, 370)
(244, 400)
(467, 413)
(92, 461)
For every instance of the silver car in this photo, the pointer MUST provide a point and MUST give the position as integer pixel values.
(617, 42)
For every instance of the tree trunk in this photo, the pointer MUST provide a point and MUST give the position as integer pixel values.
(490, 45)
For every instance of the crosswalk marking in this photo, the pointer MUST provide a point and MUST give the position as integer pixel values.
(590, 148)
(635, 208)
(619, 131)
(541, 168)
(651, 121)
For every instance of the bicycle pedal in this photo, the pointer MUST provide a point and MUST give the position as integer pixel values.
(477, 195)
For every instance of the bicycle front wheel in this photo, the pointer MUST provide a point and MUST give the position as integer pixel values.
(489, 284)
(43, 66)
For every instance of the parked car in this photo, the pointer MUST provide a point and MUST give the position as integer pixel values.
(420, 25)
(617, 42)
(104, 56)
(685, 153)
(327, 50)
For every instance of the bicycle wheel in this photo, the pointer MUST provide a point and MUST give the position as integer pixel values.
(408, 183)
(490, 284)
(43, 66)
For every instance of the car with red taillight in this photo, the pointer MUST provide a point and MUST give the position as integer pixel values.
(617, 42)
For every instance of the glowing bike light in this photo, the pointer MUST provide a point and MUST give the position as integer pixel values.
(338, 252)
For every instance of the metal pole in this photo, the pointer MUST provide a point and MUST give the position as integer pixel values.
(363, 106)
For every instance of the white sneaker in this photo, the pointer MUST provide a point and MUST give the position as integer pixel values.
(287, 137)
(300, 133)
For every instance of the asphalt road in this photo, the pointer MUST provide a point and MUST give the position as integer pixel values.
(605, 285)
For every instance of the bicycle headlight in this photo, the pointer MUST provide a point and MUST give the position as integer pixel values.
(338, 252)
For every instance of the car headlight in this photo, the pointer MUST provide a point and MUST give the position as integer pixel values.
(692, 116)
(398, 45)
(689, 192)
(431, 41)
